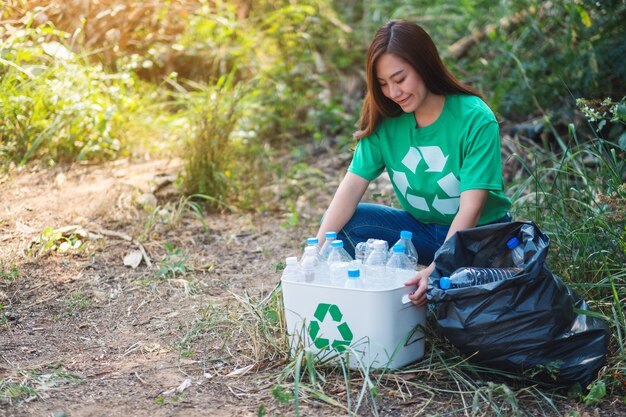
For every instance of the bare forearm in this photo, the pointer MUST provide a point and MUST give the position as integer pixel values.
(343, 204)
(471, 207)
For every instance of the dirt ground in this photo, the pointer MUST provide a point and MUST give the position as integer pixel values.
(82, 334)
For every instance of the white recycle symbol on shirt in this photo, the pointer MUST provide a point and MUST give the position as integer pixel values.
(435, 160)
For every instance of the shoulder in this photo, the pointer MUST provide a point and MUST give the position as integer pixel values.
(391, 126)
(468, 107)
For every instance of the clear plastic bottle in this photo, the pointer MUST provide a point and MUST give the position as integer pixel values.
(310, 264)
(363, 249)
(375, 264)
(512, 256)
(358, 264)
(354, 279)
(338, 262)
(399, 265)
(470, 276)
(330, 236)
(409, 248)
(517, 252)
(314, 242)
(292, 271)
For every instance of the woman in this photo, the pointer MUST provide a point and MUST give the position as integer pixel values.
(438, 141)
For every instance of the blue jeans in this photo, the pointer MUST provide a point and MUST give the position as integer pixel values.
(382, 222)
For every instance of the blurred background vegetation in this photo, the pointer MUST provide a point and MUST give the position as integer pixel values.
(250, 93)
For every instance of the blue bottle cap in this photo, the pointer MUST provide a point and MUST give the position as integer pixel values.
(331, 235)
(337, 243)
(312, 241)
(512, 243)
(398, 248)
(354, 273)
(444, 283)
(405, 234)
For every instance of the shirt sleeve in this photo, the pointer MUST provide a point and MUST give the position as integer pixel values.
(367, 161)
(482, 160)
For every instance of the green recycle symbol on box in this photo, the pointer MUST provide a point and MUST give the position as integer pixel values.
(330, 312)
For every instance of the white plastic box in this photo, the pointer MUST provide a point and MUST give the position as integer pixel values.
(377, 328)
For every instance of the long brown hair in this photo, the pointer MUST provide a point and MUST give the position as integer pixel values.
(411, 43)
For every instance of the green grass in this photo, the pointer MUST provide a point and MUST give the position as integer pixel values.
(8, 273)
(28, 385)
(174, 264)
(251, 331)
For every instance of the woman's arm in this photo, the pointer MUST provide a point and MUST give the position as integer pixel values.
(470, 207)
(343, 204)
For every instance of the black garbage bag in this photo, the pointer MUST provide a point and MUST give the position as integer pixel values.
(530, 324)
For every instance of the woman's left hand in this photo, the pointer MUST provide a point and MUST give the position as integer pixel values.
(418, 297)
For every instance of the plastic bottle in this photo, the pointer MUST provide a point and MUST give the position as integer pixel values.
(310, 264)
(375, 264)
(330, 236)
(358, 264)
(292, 271)
(513, 256)
(338, 262)
(354, 279)
(314, 242)
(470, 276)
(399, 265)
(409, 248)
(517, 252)
(363, 249)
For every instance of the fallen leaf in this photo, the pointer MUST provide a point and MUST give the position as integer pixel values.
(182, 387)
(57, 50)
(186, 384)
(23, 228)
(133, 259)
(241, 371)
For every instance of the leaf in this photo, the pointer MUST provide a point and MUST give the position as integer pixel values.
(584, 16)
(241, 371)
(56, 50)
(184, 385)
(597, 391)
(281, 395)
(133, 259)
(622, 141)
(23, 228)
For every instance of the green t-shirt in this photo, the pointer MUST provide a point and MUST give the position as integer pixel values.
(430, 166)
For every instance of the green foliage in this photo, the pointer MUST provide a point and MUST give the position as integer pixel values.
(578, 194)
(29, 384)
(281, 395)
(56, 108)
(61, 240)
(597, 391)
(77, 301)
(290, 49)
(210, 152)
(553, 50)
(174, 264)
(8, 273)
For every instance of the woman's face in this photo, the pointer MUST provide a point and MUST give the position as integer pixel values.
(401, 83)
